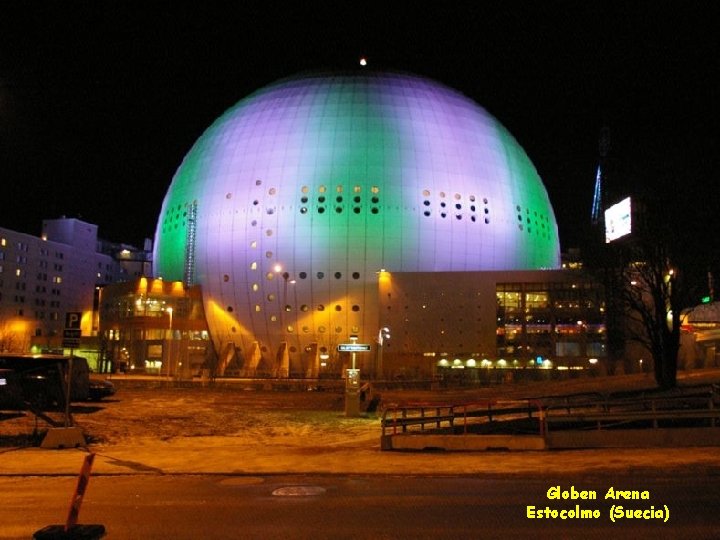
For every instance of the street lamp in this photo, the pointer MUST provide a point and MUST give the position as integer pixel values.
(383, 334)
(169, 311)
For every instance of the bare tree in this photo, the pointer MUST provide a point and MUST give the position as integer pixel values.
(661, 268)
(653, 295)
(9, 339)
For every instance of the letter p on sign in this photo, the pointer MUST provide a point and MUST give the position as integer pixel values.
(72, 319)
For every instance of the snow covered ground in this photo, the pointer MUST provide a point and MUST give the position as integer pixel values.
(230, 431)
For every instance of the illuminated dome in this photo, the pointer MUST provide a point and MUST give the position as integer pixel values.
(289, 205)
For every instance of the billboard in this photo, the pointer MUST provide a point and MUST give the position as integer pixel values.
(618, 220)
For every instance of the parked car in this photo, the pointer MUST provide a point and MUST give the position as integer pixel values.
(100, 388)
(11, 394)
(42, 380)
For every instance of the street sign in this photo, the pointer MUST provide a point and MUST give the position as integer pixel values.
(353, 347)
(72, 319)
(72, 332)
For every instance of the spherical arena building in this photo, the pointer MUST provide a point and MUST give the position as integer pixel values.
(293, 204)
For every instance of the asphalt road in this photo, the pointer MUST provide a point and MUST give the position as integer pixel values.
(363, 507)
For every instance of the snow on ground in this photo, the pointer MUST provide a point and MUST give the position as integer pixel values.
(170, 413)
(231, 431)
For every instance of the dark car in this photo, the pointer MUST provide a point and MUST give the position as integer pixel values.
(41, 380)
(11, 394)
(99, 389)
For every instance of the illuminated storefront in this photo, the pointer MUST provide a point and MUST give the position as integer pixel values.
(154, 327)
(482, 325)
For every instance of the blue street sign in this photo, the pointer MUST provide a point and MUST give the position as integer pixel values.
(353, 347)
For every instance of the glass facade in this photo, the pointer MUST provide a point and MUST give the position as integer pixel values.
(155, 327)
(537, 321)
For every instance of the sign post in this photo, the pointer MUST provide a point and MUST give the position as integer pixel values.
(71, 340)
(67, 436)
(352, 380)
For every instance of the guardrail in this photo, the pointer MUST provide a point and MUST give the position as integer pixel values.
(691, 404)
(562, 421)
(457, 418)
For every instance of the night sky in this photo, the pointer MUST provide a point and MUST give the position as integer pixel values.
(100, 100)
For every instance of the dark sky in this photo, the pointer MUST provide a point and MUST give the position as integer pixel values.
(100, 100)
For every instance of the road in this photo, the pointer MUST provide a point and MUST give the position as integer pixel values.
(362, 507)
